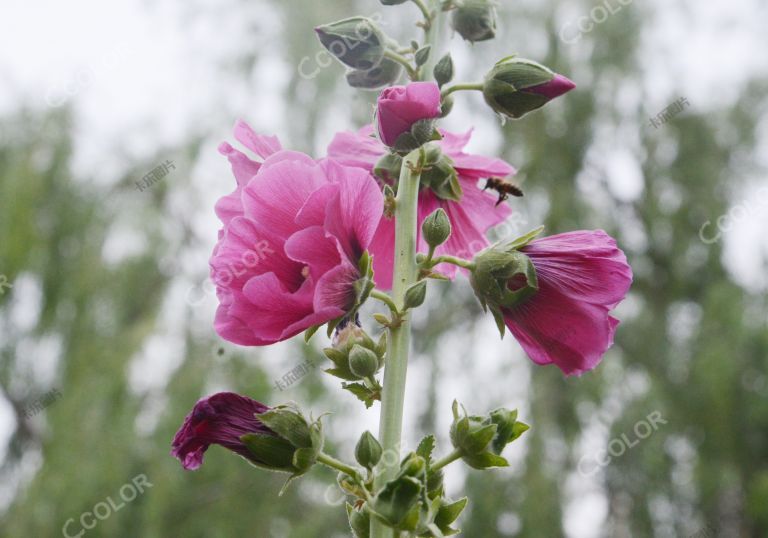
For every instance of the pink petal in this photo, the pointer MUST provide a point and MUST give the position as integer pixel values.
(242, 167)
(382, 248)
(553, 328)
(312, 247)
(261, 145)
(335, 290)
(356, 149)
(354, 213)
(275, 195)
(583, 265)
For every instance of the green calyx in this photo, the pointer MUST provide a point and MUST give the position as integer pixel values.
(295, 445)
(437, 171)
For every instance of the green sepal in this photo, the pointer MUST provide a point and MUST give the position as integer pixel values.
(393, 504)
(386, 73)
(523, 240)
(448, 513)
(359, 522)
(362, 392)
(272, 453)
(309, 333)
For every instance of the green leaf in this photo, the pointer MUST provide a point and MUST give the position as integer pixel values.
(363, 393)
(425, 448)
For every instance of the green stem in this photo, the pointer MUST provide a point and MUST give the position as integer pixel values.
(402, 60)
(442, 462)
(466, 264)
(332, 462)
(462, 86)
(426, 12)
(405, 274)
(386, 299)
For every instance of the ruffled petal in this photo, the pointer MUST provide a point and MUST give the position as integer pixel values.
(261, 145)
(353, 214)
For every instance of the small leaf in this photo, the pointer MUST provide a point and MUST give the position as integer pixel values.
(309, 333)
(426, 446)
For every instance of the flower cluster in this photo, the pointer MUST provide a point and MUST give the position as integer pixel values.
(306, 241)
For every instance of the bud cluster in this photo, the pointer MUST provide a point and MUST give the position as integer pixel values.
(356, 357)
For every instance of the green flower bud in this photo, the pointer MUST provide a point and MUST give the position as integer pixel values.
(436, 228)
(415, 295)
(474, 20)
(368, 451)
(363, 362)
(443, 70)
(516, 86)
(346, 340)
(386, 73)
(356, 42)
(476, 438)
(439, 174)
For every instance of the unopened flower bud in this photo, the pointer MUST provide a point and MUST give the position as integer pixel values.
(386, 73)
(443, 70)
(363, 362)
(368, 451)
(415, 295)
(474, 20)
(516, 86)
(357, 42)
(351, 341)
(480, 440)
(436, 228)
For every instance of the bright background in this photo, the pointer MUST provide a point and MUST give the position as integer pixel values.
(109, 308)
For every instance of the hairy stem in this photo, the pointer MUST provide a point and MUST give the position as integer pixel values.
(462, 86)
(405, 274)
(442, 462)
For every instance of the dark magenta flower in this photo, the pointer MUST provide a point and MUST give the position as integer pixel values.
(295, 230)
(470, 217)
(581, 276)
(399, 107)
(220, 419)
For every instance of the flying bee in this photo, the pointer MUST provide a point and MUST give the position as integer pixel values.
(503, 187)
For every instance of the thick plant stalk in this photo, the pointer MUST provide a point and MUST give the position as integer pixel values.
(405, 274)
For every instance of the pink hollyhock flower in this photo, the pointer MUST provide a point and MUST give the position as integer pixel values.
(294, 232)
(221, 419)
(581, 276)
(470, 218)
(399, 107)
